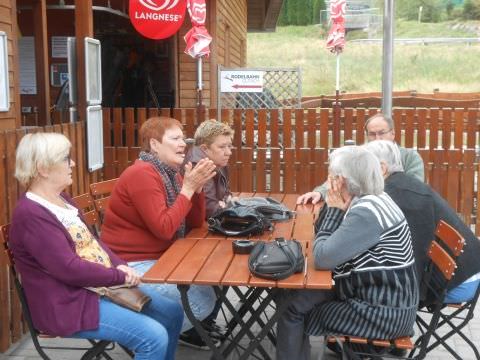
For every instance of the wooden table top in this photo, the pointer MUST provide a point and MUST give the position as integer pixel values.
(205, 258)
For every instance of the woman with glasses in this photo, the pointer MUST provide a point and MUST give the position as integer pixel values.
(58, 257)
(213, 140)
(377, 127)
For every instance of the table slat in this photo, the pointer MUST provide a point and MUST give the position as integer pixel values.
(216, 265)
(159, 272)
(193, 261)
(238, 273)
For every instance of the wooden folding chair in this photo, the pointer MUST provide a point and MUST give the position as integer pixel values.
(95, 351)
(86, 205)
(454, 316)
(100, 192)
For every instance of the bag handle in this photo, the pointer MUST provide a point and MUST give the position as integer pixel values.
(214, 224)
(282, 244)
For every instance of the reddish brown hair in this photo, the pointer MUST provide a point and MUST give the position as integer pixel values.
(154, 128)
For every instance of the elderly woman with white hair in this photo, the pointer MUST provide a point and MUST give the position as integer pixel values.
(365, 240)
(58, 258)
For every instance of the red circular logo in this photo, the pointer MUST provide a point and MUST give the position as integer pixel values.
(157, 19)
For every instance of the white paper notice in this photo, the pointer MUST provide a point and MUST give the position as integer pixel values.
(26, 51)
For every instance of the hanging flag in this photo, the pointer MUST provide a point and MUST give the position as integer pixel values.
(336, 35)
(157, 19)
(197, 38)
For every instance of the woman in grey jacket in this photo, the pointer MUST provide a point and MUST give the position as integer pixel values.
(213, 140)
(365, 240)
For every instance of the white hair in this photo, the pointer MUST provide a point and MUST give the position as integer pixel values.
(360, 168)
(388, 153)
(39, 150)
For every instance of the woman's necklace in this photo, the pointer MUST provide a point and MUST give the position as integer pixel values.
(55, 199)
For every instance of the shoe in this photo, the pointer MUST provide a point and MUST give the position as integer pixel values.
(214, 330)
(192, 339)
(398, 352)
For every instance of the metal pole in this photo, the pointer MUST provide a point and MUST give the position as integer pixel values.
(387, 70)
(200, 108)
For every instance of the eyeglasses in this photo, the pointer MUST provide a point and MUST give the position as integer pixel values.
(375, 134)
(68, 159)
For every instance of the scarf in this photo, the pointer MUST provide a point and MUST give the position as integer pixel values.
(172, 185)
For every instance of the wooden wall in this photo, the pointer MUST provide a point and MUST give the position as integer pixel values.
(227, 23)
(10, 119)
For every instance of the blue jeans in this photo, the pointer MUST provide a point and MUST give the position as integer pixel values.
(201, 298)
(151, 334)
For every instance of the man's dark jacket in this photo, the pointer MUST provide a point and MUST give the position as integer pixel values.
(423, 209)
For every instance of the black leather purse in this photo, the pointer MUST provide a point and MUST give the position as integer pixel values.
(276, 260)
(238, 221)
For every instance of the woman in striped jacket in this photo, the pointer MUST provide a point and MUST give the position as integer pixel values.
(364, 239)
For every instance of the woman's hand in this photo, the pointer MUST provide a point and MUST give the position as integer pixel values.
(196, 177)
(132, 278)
(336, 195)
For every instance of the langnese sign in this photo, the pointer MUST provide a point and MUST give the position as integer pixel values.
(157, 19)
(241, 81)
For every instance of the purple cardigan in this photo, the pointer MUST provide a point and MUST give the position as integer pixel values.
(53, 275)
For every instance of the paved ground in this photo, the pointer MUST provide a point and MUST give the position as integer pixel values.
(25, 350)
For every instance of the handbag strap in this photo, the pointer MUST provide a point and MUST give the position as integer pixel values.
(282, 244)
(214, 224)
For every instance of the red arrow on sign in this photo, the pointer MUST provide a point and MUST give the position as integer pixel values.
(247, 86)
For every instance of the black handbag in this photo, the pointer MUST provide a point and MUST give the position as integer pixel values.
(238, 221)
(276, 260)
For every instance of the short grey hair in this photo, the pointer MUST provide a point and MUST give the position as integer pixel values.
(360, 168)
(388, 153)
(380, 115)
(40, 150)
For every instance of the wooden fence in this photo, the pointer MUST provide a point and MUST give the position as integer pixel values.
(287, 151)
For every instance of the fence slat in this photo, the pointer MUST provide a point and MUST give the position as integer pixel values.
(130, 127)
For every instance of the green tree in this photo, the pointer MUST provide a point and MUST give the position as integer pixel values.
(292, 6)
(304, 12)
(471, 10)
(317, 5)
(283, 18)
(432, 10)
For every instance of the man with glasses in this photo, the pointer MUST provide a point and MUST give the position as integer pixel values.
(377, 127)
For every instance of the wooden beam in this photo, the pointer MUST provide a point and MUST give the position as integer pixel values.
(212, 28)
(83, 29)
(273, 8)
(41, 63)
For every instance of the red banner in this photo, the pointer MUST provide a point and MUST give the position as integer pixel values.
(198, 39)
(336, 35)
(157, 19)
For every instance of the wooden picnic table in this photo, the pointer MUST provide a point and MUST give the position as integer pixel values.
(204, 258)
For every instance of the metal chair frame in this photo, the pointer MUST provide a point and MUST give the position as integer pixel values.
(461, 314)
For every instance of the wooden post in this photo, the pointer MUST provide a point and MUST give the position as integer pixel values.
(41, 61)
(83, 29)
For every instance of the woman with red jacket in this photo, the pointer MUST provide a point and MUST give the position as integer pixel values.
(152, 205)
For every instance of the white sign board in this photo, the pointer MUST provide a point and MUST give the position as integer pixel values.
(4, 86)
(93, 71)
(241, 81)
(94, 137)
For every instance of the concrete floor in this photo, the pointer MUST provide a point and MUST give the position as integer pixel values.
(24, 350)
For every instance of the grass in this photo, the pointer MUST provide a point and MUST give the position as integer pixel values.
(450, 68)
